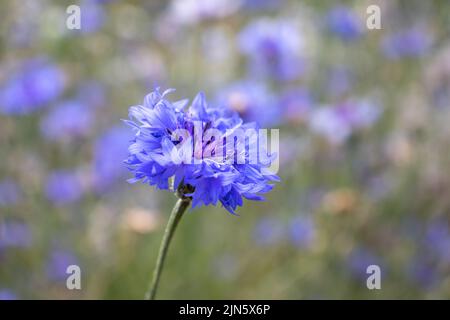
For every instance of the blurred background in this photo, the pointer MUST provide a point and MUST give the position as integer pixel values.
(363, 118)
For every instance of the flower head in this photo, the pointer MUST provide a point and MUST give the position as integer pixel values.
(63, 187)
(38, 83)
(438, 239)
(201, 148)
(296, 104)
(70, 119)
(93, 17)
(411, 43)
(191, 12)
(273, 49)
(109, 149)
(302, 231)
(344, 23)
(338, 123)
(6, 294)
(58, 262)
(268, 231)
(360, 258)
(252, 100)
(14, 234)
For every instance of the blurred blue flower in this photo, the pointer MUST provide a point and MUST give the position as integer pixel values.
(63, 187)
(337, 123)
(268, 231)
(10, 192)
(70, 119)
(438, 239)
(259, 5)
(6, 294)
(190, 12)
(359, 259)
(109, 151)
(38, 83)
(302, 231)
(327, 123)
(273, 49)
(58, 262)
(92, 16)
(193, 159)
(410, 43)
(344, 23)
(360, 113)
(423, 272)
(296, 104)
(252, 100)
(14, 234)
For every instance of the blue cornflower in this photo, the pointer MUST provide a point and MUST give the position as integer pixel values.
(408, 43)
(344, 23)
(109, 150)
(191, 12)
(360, 258)
(93, 16)
(302, 231)
(261, 5)
(6, 294)
(38, 83)
(252, 100)
(273, 49)
(15, 234)
(336, 124)
(197, 148)
(438, 239)
(268, 231)
(64, 187)
(58, 262)
(296, 104)
(70, 119)
(423, 271)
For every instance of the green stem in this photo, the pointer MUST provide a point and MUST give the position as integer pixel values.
(177, 212)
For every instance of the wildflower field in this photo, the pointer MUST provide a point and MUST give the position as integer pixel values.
(355, 94)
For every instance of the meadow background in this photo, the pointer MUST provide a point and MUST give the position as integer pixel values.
(363, 118)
